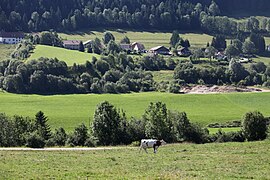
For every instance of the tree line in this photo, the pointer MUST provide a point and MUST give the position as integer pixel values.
(110, 126)
(72, 15)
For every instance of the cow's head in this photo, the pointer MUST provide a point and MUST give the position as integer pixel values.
(163, 142)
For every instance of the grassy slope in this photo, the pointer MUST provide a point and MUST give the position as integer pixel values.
(5, 51)
(69, 56)
(69, 111)
(149, 39)
(248, 160)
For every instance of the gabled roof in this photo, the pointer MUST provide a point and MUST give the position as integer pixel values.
(71, 42)
(158, 47)
(11, 34)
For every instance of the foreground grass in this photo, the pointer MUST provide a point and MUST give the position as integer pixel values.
(248, 160)
(149, 39)
(69, 56)
(69, 111)
(6, 50)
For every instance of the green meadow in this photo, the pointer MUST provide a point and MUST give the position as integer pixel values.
(6, 50)
(69, 111)
(149, 39)
(249, 160)
(69, 56)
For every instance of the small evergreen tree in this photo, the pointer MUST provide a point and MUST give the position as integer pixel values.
(41, 123)
(175, 38)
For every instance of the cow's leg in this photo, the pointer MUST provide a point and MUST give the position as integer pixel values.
(145, 149)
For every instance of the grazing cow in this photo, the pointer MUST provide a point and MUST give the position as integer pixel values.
(151, 143)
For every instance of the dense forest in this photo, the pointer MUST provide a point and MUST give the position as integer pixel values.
(38, 15)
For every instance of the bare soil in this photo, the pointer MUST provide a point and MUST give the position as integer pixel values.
(207, 89)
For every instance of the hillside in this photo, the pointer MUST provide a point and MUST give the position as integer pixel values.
(69, 56)
(69, 111)
(148, 38)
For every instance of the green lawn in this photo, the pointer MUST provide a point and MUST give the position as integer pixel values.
(249, 160)
(149, 39)
(6, 50)
(215, 130)
(69, 56)
(69, 111)
(163, 75)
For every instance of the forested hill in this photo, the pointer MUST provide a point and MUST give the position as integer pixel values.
(37, 15)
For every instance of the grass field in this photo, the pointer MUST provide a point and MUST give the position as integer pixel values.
(162, 75)
(249, 160)
(5, 51)
(69, 56)
(69, 111)
(149, 39)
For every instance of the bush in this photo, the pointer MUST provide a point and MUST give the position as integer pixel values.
(195, 133)
(90, 142)
(79, 136)
(34, 140)
(230, 136)
(60, 137)
(254, 126)
(50, 143)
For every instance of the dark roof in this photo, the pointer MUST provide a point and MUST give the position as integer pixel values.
(71, 42)
(11, 34)
(159, 48)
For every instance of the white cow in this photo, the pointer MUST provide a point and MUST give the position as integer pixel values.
(151, 143)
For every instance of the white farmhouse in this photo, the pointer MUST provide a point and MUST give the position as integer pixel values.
(10, 37)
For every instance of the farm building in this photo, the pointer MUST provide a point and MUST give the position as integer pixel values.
(87, 43)
(126, 47)
(137, 47)
(71, 44)
(160, 50)
(11, 37)
(184, 51)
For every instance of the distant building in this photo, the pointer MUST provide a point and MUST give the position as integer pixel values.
(126, 47)
(87, 43)
(160, 50)
(11, 37)
(184, 51)
(137, 47)
(71, 44)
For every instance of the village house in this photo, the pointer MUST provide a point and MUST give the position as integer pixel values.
(71, 44)
(87, 43)
(11, 37)
(126, 47)
(138, 47)
(184, 51)
(160, 50)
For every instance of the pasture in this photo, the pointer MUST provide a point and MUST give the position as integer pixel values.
(149, 39)
(249, 160)
(69, 56)
(68, 111)
(6, 50)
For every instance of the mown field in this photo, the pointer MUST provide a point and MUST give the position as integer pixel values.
(69, 111)
(5, 51)
(69, 56)
(149, 39)
(249, 160)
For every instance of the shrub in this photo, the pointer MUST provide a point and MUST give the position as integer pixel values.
(34, 140)
(195, 133)
(79, 136)
(60, 137)
(254, 126)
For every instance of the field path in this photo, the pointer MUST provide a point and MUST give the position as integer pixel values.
(64, 149)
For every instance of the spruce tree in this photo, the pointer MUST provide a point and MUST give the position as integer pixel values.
(42, 126)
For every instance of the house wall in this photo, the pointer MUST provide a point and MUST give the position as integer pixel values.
(10, 40)
(73, 47)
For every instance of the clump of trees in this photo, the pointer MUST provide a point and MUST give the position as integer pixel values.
(235, 73)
